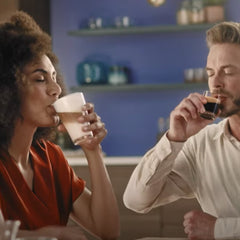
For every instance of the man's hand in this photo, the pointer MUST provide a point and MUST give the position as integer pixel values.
(185, 120)
(199, 225)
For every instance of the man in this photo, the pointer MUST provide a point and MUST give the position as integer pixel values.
(196, 160)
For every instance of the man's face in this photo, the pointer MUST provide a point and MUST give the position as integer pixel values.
(223, 69)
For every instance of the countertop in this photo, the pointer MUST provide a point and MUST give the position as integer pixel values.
(161, 238)
(76, 158)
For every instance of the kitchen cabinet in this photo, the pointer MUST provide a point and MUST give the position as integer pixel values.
(39, 10)
(7, 8)
(164, 221)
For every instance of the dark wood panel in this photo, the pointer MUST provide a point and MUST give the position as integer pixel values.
(39, 10)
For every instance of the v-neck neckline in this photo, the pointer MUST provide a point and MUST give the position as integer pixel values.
(16, 174)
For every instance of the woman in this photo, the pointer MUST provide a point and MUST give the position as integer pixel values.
(37, 186)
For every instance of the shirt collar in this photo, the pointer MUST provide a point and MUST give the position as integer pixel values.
(223, 129)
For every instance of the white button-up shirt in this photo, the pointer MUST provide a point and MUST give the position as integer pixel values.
(206, 166)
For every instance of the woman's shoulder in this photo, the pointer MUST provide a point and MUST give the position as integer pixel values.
(46, 145)
(51, 150)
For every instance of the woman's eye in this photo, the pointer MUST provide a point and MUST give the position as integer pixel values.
(40, 80)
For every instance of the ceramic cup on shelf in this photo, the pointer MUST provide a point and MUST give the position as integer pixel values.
(118, 75)
(189, 75)
(122, 22)
(95, 23)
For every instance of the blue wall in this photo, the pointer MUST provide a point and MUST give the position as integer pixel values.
(130, 117)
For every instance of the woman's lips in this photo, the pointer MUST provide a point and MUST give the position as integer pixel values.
(51, 110)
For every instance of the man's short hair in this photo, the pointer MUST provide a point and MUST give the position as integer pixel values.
(224, 32)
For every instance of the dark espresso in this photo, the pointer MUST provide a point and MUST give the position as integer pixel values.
(211, 107)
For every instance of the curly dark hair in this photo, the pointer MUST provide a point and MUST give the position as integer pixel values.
(21, 41)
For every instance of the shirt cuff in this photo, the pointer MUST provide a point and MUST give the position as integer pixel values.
(227, 228)
(165, 147)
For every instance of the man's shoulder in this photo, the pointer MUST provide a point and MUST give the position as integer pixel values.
(213, 130)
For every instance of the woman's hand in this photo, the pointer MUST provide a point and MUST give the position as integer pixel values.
(95, 125)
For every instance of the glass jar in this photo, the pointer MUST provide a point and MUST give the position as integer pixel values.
(197, 13)
(184, 13)
(117, 75)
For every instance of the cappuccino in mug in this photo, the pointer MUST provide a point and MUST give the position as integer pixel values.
(74, 128)
(69, 110)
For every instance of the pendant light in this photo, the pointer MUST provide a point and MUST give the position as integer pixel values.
(156, 3)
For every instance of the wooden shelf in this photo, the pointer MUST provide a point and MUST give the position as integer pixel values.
(139, 30)
(138, 87)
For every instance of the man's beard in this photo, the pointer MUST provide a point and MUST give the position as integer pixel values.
(234, 110)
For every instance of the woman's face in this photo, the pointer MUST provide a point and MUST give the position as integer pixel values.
(38, 92)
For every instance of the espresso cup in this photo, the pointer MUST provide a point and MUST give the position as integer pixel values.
(211, 107)
(69, 109)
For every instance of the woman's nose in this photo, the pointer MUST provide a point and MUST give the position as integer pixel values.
(54, 89)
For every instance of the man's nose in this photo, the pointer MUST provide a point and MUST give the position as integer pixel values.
(216, 81)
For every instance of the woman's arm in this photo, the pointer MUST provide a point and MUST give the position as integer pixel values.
(97, 210)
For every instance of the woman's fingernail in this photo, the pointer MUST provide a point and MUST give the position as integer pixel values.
(81, 119)
(85, 128)
(99, 124)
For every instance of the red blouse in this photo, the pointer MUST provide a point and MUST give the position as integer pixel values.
(55, 188)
